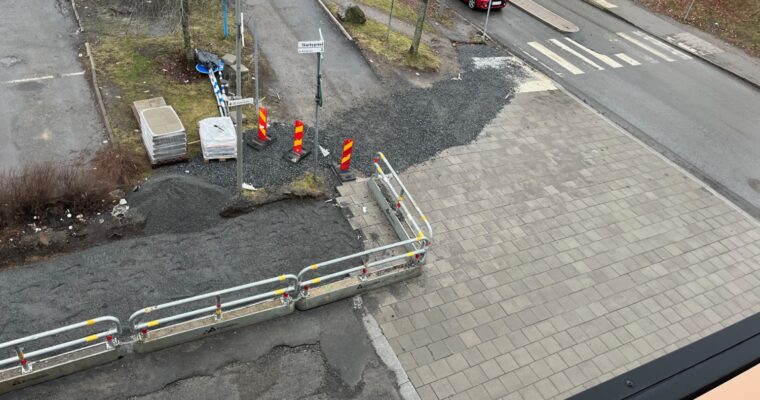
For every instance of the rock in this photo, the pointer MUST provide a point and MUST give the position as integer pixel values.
(354, 14)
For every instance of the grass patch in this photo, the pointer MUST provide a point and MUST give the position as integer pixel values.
(401, 10)
(139, 66)
(371, 36)
(735, 21)
(308, 185)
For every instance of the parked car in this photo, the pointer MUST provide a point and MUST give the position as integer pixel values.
(483, 4)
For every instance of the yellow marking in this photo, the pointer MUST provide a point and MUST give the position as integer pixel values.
(382, 156)
(297, 142)
(380, 170)
(401, 198)
(152, 323)
(281, 277)
(314, 266)
(21, 355)
(315, 281)
(345, 159)
(348, 146)
(279, 292)
(90, 322)
(218, 312)
(420, 236)
(91, 338)
(263, 116)
(424, 218)
(299, 129)
(410, 254)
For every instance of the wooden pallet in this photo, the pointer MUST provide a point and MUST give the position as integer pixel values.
(221, 160)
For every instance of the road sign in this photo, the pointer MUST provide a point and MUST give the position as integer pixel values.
(311, 46)
(240, 102)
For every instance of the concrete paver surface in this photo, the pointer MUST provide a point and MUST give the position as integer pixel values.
(565, 253)
(47, 111)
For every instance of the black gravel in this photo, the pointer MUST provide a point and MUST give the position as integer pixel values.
(410, 126)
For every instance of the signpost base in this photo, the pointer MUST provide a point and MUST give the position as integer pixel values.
(258, 144)
(344, 176)
(294, 157)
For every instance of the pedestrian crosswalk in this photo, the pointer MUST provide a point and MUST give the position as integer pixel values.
(634, 49)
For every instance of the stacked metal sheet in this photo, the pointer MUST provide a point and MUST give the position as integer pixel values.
(218, 138)
(163, 134)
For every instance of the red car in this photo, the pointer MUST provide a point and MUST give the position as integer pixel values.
(483, 4)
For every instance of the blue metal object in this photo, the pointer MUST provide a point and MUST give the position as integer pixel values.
(224, 11)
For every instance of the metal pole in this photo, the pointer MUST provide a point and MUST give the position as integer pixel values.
(239, 92)
(224, 13)
(390, 18)
(488, 14)
(256, 67)
(316, 114)
(688, 10)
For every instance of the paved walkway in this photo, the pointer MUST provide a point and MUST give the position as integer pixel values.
(565, 253)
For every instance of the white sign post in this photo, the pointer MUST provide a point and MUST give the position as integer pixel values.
(318, 47)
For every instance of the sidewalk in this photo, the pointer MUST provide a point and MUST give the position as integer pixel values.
(565, 253)
(693, 40)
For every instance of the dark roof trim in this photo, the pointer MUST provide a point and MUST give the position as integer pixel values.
(689, 371)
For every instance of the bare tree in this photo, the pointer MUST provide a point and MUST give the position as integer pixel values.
(188, 45)
(421, 12)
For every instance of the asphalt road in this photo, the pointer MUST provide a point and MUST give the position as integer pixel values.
(347, 77)
(47, 111)
(696, 114)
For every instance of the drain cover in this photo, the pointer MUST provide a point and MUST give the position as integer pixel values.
(754, 184)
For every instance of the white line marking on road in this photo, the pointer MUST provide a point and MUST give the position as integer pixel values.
(645, 47)
(661, 45)
(40, 78)
(575, 53)
(556, 58)
(603, 58)
(604, 4)
(627, 59)
(540, 62)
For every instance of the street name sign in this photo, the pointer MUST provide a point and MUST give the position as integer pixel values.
(240, 102)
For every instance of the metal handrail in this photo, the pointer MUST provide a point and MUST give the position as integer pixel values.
(134, 319)
(406, 194)
(22, 357)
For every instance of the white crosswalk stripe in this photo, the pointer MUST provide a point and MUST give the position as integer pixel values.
(556, 58)
(575, 53)
(601, 57)
(645, 47)
(627, 59)
(662, 45)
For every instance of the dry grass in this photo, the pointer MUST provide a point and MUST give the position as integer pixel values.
(371, 36)
(137, 66)
(308, 185)
(735, 21)
(49, 189)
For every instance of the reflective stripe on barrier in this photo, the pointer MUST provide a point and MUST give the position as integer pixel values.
(177, 328)
(31, 368)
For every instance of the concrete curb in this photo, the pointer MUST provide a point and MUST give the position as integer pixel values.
(76, 15)
(96, 88)
(712, 62)
(335, 20)
(546, 16)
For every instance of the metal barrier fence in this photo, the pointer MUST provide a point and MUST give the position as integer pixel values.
(302, 291)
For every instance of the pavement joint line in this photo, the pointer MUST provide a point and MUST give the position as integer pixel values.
(42, 78)
(387, 355)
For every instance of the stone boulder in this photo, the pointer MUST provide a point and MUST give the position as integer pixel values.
(353, 14)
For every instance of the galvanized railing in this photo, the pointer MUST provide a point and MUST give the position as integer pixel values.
(218, 307)
(22, 358)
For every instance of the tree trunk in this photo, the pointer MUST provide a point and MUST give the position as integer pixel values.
(418, 29)
(185, 11)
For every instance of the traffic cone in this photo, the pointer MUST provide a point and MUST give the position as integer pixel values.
(261, 140)
(343, 169)
(297, 153)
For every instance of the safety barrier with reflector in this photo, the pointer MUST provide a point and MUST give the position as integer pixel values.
(31, 367)
(189, 325)
(198, 316)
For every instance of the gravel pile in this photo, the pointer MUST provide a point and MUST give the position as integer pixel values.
(177, 204)
(410, 126)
